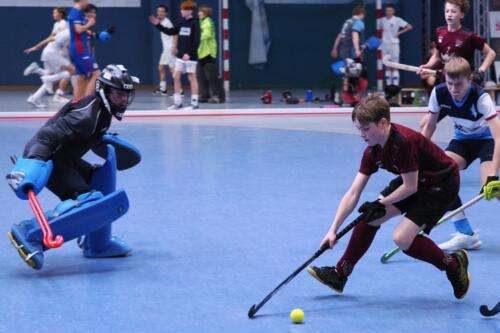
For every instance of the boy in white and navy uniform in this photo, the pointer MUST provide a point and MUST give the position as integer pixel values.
(392, 27)
(477, 135)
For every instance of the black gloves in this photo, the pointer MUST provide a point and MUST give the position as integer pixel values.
(111, 30)
(372, 210)
(478, 77)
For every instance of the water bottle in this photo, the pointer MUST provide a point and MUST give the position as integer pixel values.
(309, 96)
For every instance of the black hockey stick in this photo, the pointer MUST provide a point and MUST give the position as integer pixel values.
(253, 310)
(489, 313)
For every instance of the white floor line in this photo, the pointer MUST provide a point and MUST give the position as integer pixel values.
(219, 112)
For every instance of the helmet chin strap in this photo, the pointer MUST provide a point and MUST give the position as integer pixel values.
(105, 100)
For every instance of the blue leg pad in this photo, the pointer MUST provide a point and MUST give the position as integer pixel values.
(100, 243)
(30, 251)
(89, 215)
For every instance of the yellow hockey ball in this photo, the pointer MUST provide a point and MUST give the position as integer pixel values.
(297, 316)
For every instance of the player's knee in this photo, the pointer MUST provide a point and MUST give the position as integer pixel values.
(401, 239)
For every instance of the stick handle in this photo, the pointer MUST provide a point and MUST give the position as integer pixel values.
(253, 310)
(386, 256)
(387, 62)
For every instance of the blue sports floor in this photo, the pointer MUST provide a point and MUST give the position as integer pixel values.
(222, 210)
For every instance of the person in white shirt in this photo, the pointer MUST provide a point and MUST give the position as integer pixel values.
(55, 58)
(167, 58)
(392, 27)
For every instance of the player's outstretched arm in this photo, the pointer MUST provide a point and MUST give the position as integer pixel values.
(428, 124)
(433, 60)
(494, 125)
(40, 45)
(429, 121)
(346, 206)
(489, 57)
(334, 52)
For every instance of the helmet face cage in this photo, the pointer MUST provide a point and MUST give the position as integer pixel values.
(118, 88)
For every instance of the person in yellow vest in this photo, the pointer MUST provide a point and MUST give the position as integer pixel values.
(210, 86)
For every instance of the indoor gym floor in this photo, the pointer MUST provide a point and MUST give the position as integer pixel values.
(222, 210)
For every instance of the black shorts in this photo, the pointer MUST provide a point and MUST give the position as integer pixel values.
(70, 178)
(428, 205)
(473, 148)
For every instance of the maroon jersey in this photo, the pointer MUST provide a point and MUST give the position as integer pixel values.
(460, 43)
(406, 151)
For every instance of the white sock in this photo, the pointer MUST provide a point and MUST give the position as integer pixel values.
(59, 92)
(40, 92)
(395, 78)
(177, 99)
(388, 78)
(163, 85)
(58, 76)
(194, 100)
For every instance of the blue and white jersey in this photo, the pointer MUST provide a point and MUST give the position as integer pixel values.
(470, 115)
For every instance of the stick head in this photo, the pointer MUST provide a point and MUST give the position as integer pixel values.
(252, 312)
(487, 312)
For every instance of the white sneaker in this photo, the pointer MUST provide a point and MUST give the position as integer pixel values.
(31, 69)
(461, 241)
(49, 87)
(60, 98)
(191, 108)
(175, 107)
(35, 102)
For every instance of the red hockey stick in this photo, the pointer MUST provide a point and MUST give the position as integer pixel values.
(48, 237)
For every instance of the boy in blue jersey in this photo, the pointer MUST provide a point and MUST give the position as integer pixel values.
(87, 70)
(477, 135)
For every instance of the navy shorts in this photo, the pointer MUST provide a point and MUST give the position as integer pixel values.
(428, 205)
(471, 149)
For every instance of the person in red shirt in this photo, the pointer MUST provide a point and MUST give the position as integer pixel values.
(455, 41)
(426, 187)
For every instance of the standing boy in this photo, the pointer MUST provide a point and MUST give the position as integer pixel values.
(188, 41)
(392, 27)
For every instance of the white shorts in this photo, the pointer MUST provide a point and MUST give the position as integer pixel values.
(392, 49)
(167, 58)
(188, 66)
(53, 62)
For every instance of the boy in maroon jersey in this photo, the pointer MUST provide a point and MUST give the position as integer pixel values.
(426, 187)
(455, 41)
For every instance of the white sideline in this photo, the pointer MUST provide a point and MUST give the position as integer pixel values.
(218, 112)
